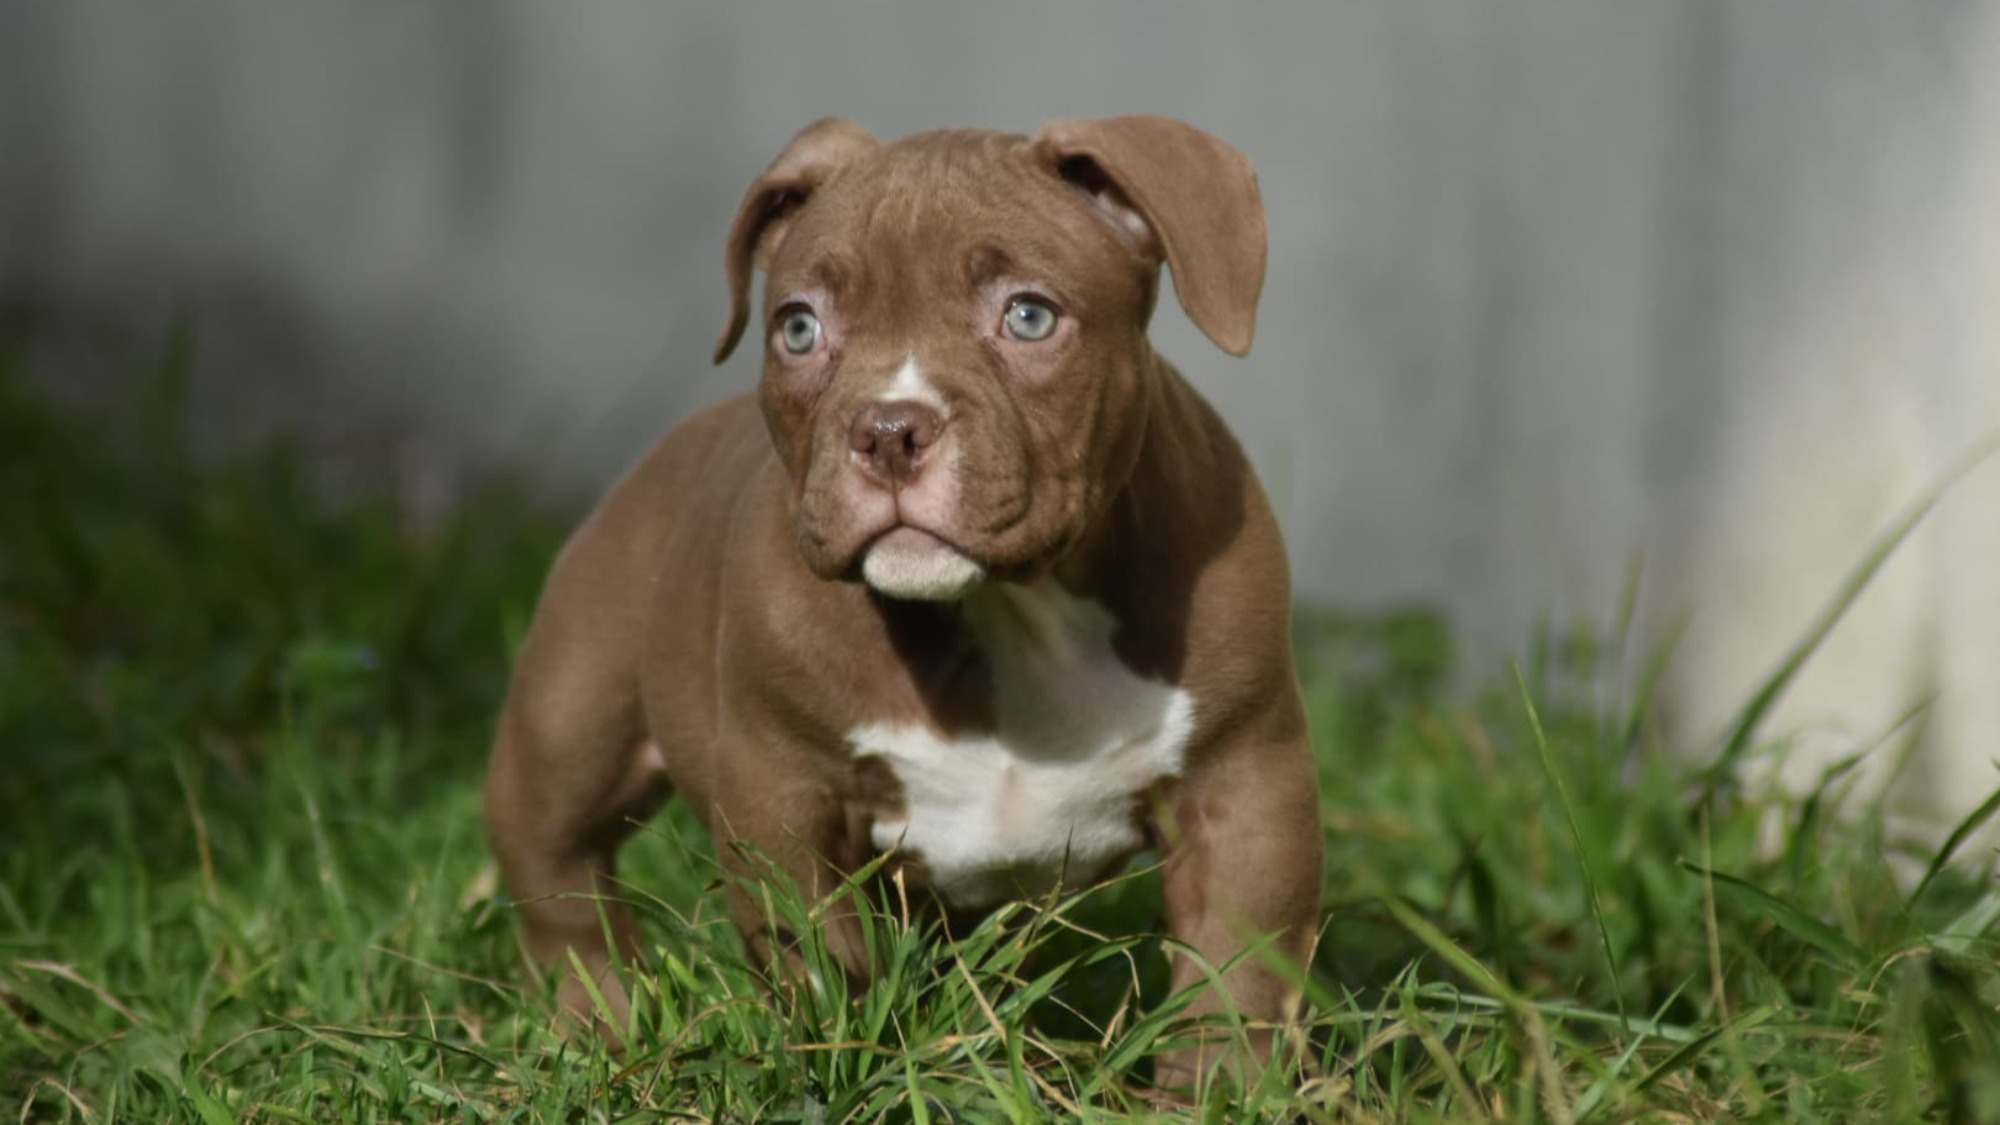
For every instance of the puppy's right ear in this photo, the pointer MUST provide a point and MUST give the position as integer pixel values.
(768, 207)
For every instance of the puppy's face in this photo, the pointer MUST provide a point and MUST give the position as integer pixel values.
(955, 361)
(954, 355)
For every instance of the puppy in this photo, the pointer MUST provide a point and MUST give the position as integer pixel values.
(974, 579)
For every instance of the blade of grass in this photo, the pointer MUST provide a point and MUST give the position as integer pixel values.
(1960, 935)
(1972, 823)
(1786, 916)
(1442, 1058)
(1744, 730)
(1650, 680)
(1546, 1074)
(1694, 1048)
(1582, 850)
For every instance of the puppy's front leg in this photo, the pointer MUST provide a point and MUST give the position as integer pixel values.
(1243, 860)
(787, 819)
(560, 801)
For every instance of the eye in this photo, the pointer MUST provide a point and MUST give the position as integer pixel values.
(1028, 319)
(800, 331)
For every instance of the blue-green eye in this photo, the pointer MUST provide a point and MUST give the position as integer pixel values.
(1028, 319)
(799, 331)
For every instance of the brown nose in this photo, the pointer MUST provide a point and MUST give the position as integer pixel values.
(891, 438)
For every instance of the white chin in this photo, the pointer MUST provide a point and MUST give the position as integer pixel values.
(912, 566)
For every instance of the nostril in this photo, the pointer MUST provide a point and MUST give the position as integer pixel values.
(862, 437)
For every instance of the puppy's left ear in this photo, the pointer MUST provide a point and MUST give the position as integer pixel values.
(1196, 195)
(773, 200)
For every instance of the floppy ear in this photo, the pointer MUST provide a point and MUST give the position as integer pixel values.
(1196, 195)
(768, 207)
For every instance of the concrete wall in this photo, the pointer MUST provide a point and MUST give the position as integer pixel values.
(1556, 285)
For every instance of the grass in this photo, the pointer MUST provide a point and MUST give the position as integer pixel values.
(242, 875)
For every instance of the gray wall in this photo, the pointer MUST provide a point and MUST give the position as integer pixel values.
(1556, 285)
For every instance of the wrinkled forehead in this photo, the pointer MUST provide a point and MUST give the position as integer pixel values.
(954, 209)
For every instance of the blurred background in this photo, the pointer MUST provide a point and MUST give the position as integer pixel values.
(1563, 296)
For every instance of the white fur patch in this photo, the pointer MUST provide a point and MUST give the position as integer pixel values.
(909, 385)
(918, 568)
(1052, 796)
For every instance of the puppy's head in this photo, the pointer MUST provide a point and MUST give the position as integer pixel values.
(956, 372)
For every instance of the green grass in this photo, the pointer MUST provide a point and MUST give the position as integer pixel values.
(242, 875)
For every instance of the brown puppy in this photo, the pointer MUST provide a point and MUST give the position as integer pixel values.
(975, 578)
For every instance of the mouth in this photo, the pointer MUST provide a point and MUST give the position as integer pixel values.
(910, 564)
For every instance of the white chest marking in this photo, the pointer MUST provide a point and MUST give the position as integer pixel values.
(1052, 795)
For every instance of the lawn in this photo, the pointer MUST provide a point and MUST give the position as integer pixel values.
(242, 875)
